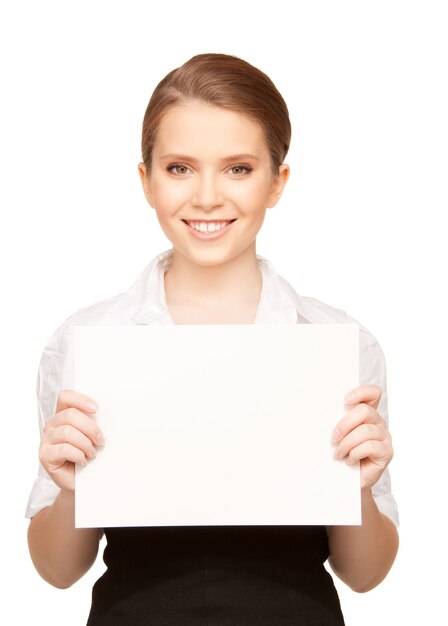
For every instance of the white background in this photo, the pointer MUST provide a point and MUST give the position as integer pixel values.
(361, 225)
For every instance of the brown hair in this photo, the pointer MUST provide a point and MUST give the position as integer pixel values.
(225, 81)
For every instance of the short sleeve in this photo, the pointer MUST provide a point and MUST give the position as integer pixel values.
(372, 370)
(54, 374)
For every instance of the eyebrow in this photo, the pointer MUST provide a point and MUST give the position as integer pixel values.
(233, 157)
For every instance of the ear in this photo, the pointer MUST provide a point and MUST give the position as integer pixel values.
(145, 177)
(278, 184)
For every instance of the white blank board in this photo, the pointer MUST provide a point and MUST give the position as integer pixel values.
(217, 424)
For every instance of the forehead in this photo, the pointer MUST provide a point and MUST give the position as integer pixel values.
(196, 128)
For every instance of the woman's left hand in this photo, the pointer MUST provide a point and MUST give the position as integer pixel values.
(362, 434)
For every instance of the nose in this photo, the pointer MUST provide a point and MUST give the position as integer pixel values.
(206, 193)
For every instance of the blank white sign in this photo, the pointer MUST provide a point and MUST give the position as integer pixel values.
(217, 424)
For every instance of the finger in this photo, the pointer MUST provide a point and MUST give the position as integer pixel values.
(369, 394)
(71, 398)
(360, 414)
(364, 432)
(79, 420)
(68, 434)
(377, 451)
(54, 456)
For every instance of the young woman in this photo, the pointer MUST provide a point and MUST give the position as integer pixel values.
(215, 136)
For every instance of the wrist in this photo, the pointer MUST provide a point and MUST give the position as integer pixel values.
(366, 492)
(367, 499)
(369, 507)
(67, 497)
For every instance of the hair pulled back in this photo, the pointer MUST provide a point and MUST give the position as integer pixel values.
(226, 81)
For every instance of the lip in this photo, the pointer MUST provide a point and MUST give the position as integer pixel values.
(215, 235)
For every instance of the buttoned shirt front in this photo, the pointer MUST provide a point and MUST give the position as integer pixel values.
(145, 303)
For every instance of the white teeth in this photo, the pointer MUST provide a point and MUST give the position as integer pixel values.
(203, 227)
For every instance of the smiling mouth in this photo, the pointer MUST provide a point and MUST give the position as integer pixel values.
(208, 226)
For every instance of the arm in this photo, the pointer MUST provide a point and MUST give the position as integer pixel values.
(60, 552)
(362, 556)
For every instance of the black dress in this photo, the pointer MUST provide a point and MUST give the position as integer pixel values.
(216, 576)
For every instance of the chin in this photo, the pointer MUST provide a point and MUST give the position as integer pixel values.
(209, 258)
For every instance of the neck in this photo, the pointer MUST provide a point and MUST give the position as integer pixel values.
(237, 281)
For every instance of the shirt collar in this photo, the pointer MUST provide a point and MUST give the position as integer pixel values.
(279, 303)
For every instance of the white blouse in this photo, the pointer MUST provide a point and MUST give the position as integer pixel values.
(144, 303)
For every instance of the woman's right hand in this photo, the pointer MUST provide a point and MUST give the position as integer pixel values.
(70, 436)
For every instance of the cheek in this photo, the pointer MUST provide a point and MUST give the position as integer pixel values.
(253, 196)
(167, 198)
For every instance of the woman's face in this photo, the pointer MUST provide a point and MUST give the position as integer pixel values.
(209, 165)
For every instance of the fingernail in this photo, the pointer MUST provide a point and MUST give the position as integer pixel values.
(91, 405)
(100, 439)
(336, 434)
(350, 397)
(337, 454)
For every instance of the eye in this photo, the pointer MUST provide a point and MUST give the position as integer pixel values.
(240, 170)
(178, 169)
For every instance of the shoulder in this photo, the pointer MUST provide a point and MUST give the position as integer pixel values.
(55, 366)
(316, 311)
(88, 315)
(118, 309)
(56, 369)
(313, 311)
